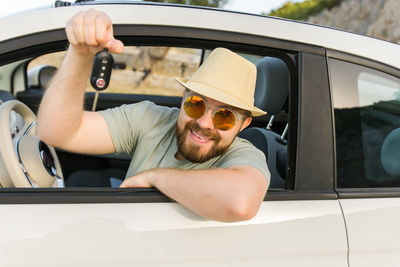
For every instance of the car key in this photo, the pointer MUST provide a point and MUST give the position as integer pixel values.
(101, 70)
(101, 73)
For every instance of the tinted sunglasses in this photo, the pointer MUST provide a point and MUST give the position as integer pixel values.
(223, 118)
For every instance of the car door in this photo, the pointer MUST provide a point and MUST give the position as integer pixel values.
(367, 119)
(299, 224)
(305, 233)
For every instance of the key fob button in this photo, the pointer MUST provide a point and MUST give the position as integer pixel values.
(100, 82)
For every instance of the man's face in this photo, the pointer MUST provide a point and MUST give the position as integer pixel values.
(198, 140)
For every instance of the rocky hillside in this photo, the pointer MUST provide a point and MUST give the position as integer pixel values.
(376, 18)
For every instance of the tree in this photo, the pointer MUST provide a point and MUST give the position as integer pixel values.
(209, 3)
(303, 10)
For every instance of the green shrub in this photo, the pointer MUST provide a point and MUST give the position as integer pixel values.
(303, 10)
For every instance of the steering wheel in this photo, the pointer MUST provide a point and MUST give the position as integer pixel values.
(26, 161)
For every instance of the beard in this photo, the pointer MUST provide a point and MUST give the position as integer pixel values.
(191, 151)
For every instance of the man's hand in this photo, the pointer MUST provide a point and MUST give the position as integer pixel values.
(91, 31)
(143, 179)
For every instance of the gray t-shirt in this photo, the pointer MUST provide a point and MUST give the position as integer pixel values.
(147, 132)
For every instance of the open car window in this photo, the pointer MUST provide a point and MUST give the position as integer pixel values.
(148, 73)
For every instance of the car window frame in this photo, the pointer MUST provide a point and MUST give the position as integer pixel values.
(172, 35)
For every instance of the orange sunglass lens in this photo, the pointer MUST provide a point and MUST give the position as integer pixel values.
(224, 119)
(194, 107)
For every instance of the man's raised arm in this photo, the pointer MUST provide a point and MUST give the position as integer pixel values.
(62, 122)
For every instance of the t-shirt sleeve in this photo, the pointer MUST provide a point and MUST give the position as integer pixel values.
(243, 152)
(128, 123)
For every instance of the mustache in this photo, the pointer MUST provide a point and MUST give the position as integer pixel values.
(205, 132)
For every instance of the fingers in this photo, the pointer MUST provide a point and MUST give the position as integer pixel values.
(92, 30)
(129, 183)
(104, 30)
(89, 28)
(124, 184)
(115, 46)
(139, 180)
(74, 29)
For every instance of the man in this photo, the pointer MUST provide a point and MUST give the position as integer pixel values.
(191, 154)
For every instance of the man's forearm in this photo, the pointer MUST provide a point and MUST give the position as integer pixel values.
(231, 194)
(63, 100)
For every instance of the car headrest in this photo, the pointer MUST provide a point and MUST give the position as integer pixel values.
(40, 76)
(272, 85)
(390, 153)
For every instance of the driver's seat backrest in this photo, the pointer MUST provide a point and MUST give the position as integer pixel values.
(272, 90)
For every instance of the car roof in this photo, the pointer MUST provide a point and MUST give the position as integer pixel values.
(143, 13)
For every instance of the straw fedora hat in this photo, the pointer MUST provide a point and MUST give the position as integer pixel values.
(227, 78)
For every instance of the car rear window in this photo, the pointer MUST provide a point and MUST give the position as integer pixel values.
(367, 122)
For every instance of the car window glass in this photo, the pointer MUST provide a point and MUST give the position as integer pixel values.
(138, 70)
(367, 121)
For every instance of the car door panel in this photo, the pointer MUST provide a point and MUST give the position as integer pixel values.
(283, 233)
(373, 231)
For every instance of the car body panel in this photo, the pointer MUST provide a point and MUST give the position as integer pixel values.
(142, 14)
(283, 233)
(374, 232)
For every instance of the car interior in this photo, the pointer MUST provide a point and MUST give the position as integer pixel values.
(147, 73)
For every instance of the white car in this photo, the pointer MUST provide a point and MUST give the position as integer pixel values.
(331, 136)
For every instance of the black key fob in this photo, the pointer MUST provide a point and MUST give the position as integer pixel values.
(101, 70)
